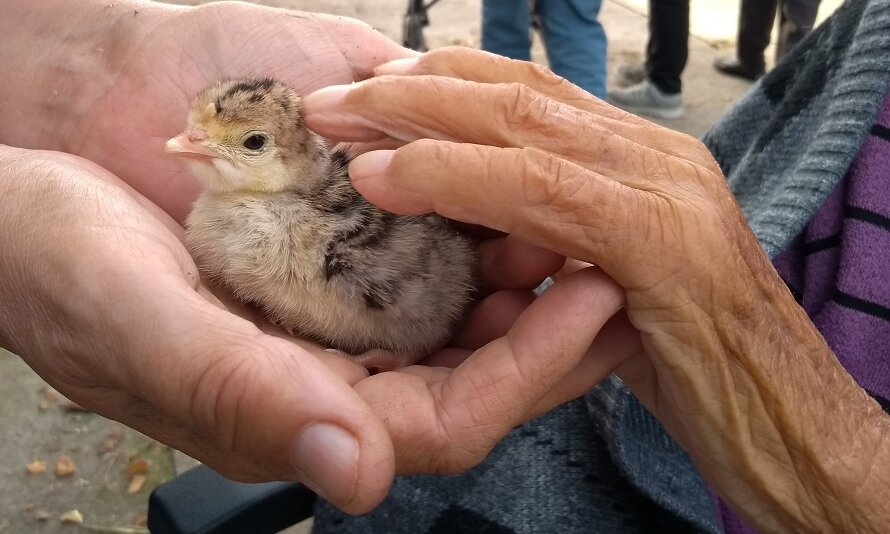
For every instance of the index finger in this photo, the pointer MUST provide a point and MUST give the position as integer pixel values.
(484, 67)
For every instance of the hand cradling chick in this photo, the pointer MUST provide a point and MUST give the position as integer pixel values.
(279, 224)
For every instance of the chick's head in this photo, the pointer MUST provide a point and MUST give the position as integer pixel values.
(249, 135)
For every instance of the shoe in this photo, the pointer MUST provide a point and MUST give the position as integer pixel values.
(631, 74)
(646, 99)
(733, 67)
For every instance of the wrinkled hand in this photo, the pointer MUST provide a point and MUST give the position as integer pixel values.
(103, 301)
(713, 339)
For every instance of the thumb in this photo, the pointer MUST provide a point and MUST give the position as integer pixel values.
(264, 400)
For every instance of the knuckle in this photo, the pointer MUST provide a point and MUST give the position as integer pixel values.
(432, 150)
(544, 76)
(546, 180)
(523, 107)
(447, 59)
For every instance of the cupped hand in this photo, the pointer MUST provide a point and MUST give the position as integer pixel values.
(104, 302)
(117, 97)
(712, 337)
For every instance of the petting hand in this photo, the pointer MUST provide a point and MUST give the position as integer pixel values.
(713, 343)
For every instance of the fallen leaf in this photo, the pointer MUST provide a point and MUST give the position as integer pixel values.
(139, 466)
(65, 466)
(36, 467)
(41, 515)
(140, 520)
(136, 484)
(72, 516)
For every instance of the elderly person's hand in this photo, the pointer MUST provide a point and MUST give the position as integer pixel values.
(714, 344)
(104, 302)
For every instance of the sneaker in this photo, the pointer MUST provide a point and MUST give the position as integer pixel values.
(646, 99)
(631, 74)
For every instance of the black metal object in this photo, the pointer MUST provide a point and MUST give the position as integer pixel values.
(416, 19)
(201, 501)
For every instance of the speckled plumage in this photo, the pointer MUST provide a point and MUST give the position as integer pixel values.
(283, 228)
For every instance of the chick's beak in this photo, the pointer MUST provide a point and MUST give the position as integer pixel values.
(190, 144)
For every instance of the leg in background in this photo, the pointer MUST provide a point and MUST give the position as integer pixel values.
(575, 42)
(668, 47)
(796, 19)
(756, 18)
(506, 28)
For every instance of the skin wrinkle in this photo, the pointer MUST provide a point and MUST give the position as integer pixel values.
(203, 409)
(449, 433)
(733, 418)
(800, 467)
(523, 109)
(488, 402)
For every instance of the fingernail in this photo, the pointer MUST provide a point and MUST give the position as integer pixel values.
(326, 98)
(370, 164)
(326, 459)
(397, 66)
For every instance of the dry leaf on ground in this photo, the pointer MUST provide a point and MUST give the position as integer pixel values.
(36, 467)
(65, 466)
(72, 516)
(138, 466)
(136, 484)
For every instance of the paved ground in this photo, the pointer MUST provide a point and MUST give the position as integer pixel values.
(35, 425)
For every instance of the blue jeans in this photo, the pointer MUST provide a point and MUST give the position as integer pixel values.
(574, 38)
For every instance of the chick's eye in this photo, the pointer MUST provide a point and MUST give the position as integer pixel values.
(255, 142)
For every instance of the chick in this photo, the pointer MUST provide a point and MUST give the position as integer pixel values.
(279, 224)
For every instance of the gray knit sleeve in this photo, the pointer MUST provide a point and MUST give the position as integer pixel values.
(790, 140)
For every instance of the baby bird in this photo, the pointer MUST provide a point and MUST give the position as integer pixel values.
(280, 225)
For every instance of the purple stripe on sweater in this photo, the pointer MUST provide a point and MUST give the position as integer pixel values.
(865, 262)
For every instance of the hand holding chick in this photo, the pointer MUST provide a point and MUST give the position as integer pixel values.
(280, 225)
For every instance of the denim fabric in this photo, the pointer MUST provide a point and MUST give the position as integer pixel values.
(574, 38)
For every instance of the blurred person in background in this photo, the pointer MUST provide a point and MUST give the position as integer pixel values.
(756, 18)
(574, 38)
(654, 87)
